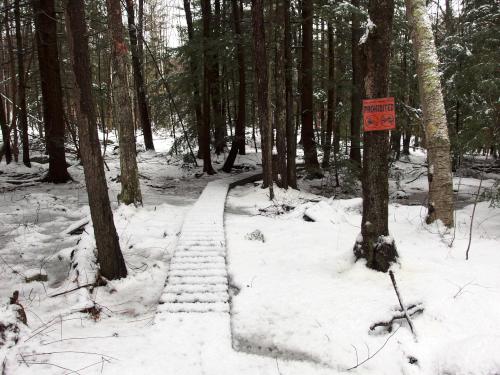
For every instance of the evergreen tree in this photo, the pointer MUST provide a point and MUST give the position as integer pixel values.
(375, 245)
(109, 256)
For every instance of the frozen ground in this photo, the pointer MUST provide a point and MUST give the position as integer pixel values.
(300, 305)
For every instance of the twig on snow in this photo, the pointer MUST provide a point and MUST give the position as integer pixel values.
(78, 338)
(374, 354)
(72, 290)
(412, 310)
(462, 288)
(403, 308)
(4, 366)
(53, 364)
(474, 212)
(67, 351)
(278, 367)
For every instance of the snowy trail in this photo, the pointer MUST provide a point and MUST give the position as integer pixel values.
(197, 280)
(195, 301)
(193, 321)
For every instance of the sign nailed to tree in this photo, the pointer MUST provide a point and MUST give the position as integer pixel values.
(378, 114)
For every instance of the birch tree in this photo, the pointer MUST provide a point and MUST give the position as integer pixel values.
(440, 206)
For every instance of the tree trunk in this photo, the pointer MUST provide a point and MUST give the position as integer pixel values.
(13, 84)
(396, 143)
(310, 154)
(406, 132)
(261, 80)
(291, 135)
(129, 175)
(324, 82)
(194, 78)
(110, 258)
(5, 135)
(331, 97)
(140, 87)
(375, 244)
(357, 85)
(440, 206)
(5, 150)
(238, 144)
(140, 35)
(297, 41)
(21, 91)
(205, 139)
(406, 142)
(50, 77)
(280, 97)
(215, 90)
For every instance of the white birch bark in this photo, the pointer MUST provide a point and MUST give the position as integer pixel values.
(440, 206)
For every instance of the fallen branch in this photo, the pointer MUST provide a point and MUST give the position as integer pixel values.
(99, 282)
(403, 308)
(412, 311)
(416, 178)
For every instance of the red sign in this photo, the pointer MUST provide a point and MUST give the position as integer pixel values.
(378, 114)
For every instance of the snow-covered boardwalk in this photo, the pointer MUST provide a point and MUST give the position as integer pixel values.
(197, 281)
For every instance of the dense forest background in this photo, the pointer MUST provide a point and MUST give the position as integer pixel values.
(466, 36)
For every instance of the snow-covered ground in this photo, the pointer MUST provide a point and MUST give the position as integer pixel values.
(300, 305)
(299, 293)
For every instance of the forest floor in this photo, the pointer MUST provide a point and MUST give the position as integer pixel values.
(300, 304)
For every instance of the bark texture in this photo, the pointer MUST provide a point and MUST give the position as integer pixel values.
(310, 153)
(13, 83)
(5, 150)
(194, 77)
(280, 97)
(261, 80)
(109, 256)
(215, 86)
(206, 11)
(140, 87)
(331, 97)
(440, 206)
(21, 92)
(50, 76)
(291, 134)
(238, 144)
(357, 85)
(129, 175)
(375, 245)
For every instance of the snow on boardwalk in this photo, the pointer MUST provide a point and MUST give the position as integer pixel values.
(197, 280)
(192, 325)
